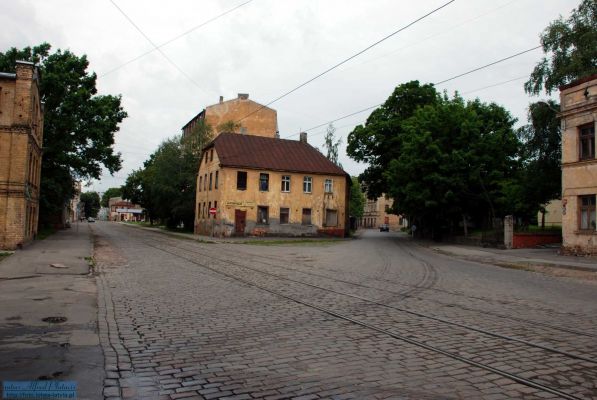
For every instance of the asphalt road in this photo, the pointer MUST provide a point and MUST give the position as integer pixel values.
(374, 317)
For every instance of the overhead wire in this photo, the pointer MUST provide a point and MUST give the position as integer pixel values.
(435, 84)
(167, 42)
(345, 60)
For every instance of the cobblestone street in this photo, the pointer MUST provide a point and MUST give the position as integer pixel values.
(375, 317)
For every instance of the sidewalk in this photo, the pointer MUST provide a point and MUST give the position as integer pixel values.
(540, 257)
(50, 278)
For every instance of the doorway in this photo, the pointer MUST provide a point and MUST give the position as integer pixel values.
(240, 221)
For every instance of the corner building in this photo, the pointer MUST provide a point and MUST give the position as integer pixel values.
(578, 112)
(264, 186)
(21, 136)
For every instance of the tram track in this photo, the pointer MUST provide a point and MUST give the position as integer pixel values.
(377, 327)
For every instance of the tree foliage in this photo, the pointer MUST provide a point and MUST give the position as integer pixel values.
(166, 185)
(570, 48)
(357, 199)
(79, 124)
(378, 141)
(332, 145)
(91, 203)
(108, 194)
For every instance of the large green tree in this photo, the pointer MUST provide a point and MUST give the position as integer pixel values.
(378, 141)
(570, 50)
(91, 203)
(166, 185)
(79, 124)
(108, 194)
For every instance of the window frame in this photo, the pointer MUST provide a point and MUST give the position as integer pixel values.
(588, 209)
(246, 178)
(331, 185)
(586, 133)
(200, 183)
(259, 219)
(285, 182)
(262, 181)
(307, 181)
(210, 180)
(216, 182)
(287, 213)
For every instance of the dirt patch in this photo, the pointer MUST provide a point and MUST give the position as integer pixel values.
(553, 271)
(105, 254)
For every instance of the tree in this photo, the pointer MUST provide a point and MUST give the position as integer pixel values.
(228, 126)
(357, 199)
(108, 194)
(541, 154)
(332, 146)
(570, 50)
(455, 159)
(91, 202)
(377, 142)
(79, 124)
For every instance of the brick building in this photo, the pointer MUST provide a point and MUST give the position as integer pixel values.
(21, 135)
(253, 118)
(578, 112)
(268, 186)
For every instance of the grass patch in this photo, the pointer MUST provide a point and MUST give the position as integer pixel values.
(4, 254)
(291, 242)
(44, 232)
(537, 229)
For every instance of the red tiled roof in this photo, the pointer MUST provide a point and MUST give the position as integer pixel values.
(256, 152)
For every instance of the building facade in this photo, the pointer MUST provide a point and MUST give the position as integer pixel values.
(375, 213)
(124, 211)
(21, 137)
(578, 112)
(266, 186)
(250, 118)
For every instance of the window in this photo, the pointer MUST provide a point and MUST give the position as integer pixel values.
(210, 179)
(284, 215)
(306, 216)
(205, 182)
(262, 215)
(217, 173)
(211, 155)
(587, 142)
(215, 206)
(587, 212)
(208, 207)
(307, 183)
(331, 218)
(264, 182)
(285, 183)
(200, 182)
(206, 157)
(241, 180)
(328, 186)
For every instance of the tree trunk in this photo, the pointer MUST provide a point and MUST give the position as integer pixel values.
(464, 225)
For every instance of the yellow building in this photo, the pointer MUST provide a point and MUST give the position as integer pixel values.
(251, 117)
(266, 186)
(578, 105)
(21, 135)
(375, 213)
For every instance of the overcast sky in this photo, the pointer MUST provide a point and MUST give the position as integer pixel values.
(267, 47)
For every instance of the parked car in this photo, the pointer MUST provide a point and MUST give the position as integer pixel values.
(90, 219)
(384, 228)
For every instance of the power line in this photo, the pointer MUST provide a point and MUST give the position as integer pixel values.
(156, 47)
(167, 42)
(346, 60)
(437, 83)
(497, 84)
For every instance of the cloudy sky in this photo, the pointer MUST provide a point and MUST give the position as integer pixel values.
(268, 47)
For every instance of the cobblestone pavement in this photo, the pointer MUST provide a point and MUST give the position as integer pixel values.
(369, 318)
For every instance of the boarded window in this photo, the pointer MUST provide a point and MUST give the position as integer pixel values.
(306, 216)
(284, 215)
(331, 218)
(241, 180)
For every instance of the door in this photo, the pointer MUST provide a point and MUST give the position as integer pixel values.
(240, 219)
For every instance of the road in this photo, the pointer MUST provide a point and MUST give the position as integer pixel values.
(375, 317)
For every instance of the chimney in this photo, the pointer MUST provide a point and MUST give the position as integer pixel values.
(303, 137)
(243, 96)
(221, 99)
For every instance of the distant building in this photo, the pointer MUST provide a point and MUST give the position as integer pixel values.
(21, 138)
(266, 186)
(123, 210)
(578, 105)
(74, 205)
(376, 213)
(553, 213)
(252, 118)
